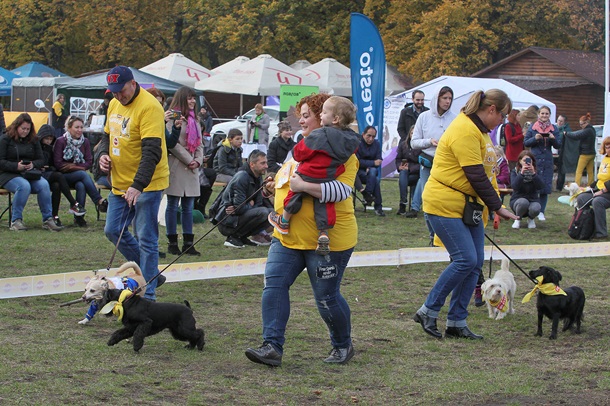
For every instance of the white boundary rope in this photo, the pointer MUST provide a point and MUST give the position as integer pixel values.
(69, 282)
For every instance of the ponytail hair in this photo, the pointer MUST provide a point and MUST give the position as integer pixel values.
(481, 100)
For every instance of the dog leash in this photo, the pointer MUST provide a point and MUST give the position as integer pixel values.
(116, 247)
(511, 260)
(491, 253)
(201, 238)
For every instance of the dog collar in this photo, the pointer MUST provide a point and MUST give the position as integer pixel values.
(549, 289)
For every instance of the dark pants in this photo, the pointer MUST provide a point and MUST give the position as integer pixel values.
(250, 223)
(59, 185)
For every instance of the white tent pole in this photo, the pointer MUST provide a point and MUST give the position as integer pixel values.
(606, 79)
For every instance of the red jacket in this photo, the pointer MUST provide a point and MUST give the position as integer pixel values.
(514, 141)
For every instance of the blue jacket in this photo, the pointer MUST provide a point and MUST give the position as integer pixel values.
(368, 154)
(544, 156)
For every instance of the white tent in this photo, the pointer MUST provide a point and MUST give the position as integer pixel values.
(331, 74)
(463, 88)
(178, 68)
(232, 64)
(300, 64)
(262, 75)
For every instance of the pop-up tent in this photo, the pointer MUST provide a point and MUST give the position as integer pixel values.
(331, 74)
(37, 69)
(178, 68)
(6, 79)
(262, 76)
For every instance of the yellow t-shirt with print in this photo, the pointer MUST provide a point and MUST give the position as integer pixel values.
(603, 174)
(463, 144)
(127, 127)
(303, 234)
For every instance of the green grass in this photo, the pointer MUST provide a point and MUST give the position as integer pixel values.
(47, 358)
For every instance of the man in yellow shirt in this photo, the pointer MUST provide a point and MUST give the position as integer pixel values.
(134, 153)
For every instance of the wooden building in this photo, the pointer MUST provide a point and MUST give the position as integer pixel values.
(573, 80)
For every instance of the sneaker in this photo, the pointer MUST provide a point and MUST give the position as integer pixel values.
(260, 239)
(80, 222)
(402, 209)
(233, 242)
(516, 224)
(340, 355)
(266, 354)
(57, 221)
(411, 214)
(277, 221)
(18, 225)
(77, 210)
(380, 213)
(531, 223)
(541, 217)
(103, 206)
(323, 247)
(246, 241)
(49, 224)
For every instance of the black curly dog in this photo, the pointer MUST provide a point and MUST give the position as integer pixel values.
(569, 308)
(143, 318)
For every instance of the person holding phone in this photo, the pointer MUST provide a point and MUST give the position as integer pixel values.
(541, 137)
(526, 185)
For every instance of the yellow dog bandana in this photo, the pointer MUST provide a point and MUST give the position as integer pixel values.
(548, 289)
(502, 304)
(117, 310)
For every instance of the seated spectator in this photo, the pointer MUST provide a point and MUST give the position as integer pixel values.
(56, 179)
(369, 156)
(407, 165)
(280, 147)
(20, 152)
(228, 158)
(600, 193)
(526, 184)
(72, 156)
(246, 218)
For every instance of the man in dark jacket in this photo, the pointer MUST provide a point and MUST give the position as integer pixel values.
(280, 147)
(2, 122)
(249, 218)
(409, 114)
(369, 157)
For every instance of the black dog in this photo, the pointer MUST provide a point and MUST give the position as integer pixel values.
(143, 318)
(555, 307)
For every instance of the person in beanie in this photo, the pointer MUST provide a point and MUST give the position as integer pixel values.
(133, 152)
(57, 181)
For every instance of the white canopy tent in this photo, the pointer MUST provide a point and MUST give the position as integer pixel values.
(262, 76)
(178, 68)
(300, 64)
(331, 74)
(232, 64)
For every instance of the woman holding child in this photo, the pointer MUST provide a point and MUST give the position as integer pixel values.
(291, 253)
(463, 166)
(73, 157)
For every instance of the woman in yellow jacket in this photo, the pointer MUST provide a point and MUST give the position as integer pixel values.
(463, 166)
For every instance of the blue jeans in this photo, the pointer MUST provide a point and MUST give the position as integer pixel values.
(282, 268)
(171, 214)
(407, 180)
(372, 185)
(465, 245)
(144, 250)
(84, 185)
(21, 189)
(424, 174)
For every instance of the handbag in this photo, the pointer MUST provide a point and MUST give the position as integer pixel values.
(473, 210)
(425, 159)
(32, 174)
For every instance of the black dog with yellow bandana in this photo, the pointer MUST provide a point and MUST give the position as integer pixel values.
(142, 318)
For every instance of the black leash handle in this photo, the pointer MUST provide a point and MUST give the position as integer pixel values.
(511, 260)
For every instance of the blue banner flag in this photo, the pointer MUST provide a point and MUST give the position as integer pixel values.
(367, 63)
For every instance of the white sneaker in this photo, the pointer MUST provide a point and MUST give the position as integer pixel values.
(531, 223)
(517, 224)
(18, 225)
(541, 217)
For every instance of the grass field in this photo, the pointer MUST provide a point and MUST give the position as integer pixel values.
(48, 359)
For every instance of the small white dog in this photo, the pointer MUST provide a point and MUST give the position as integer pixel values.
(574, 190)
(499, 292)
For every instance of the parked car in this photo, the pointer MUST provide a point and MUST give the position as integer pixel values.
(220, 131)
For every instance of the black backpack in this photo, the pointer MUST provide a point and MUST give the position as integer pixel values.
(582, 224)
